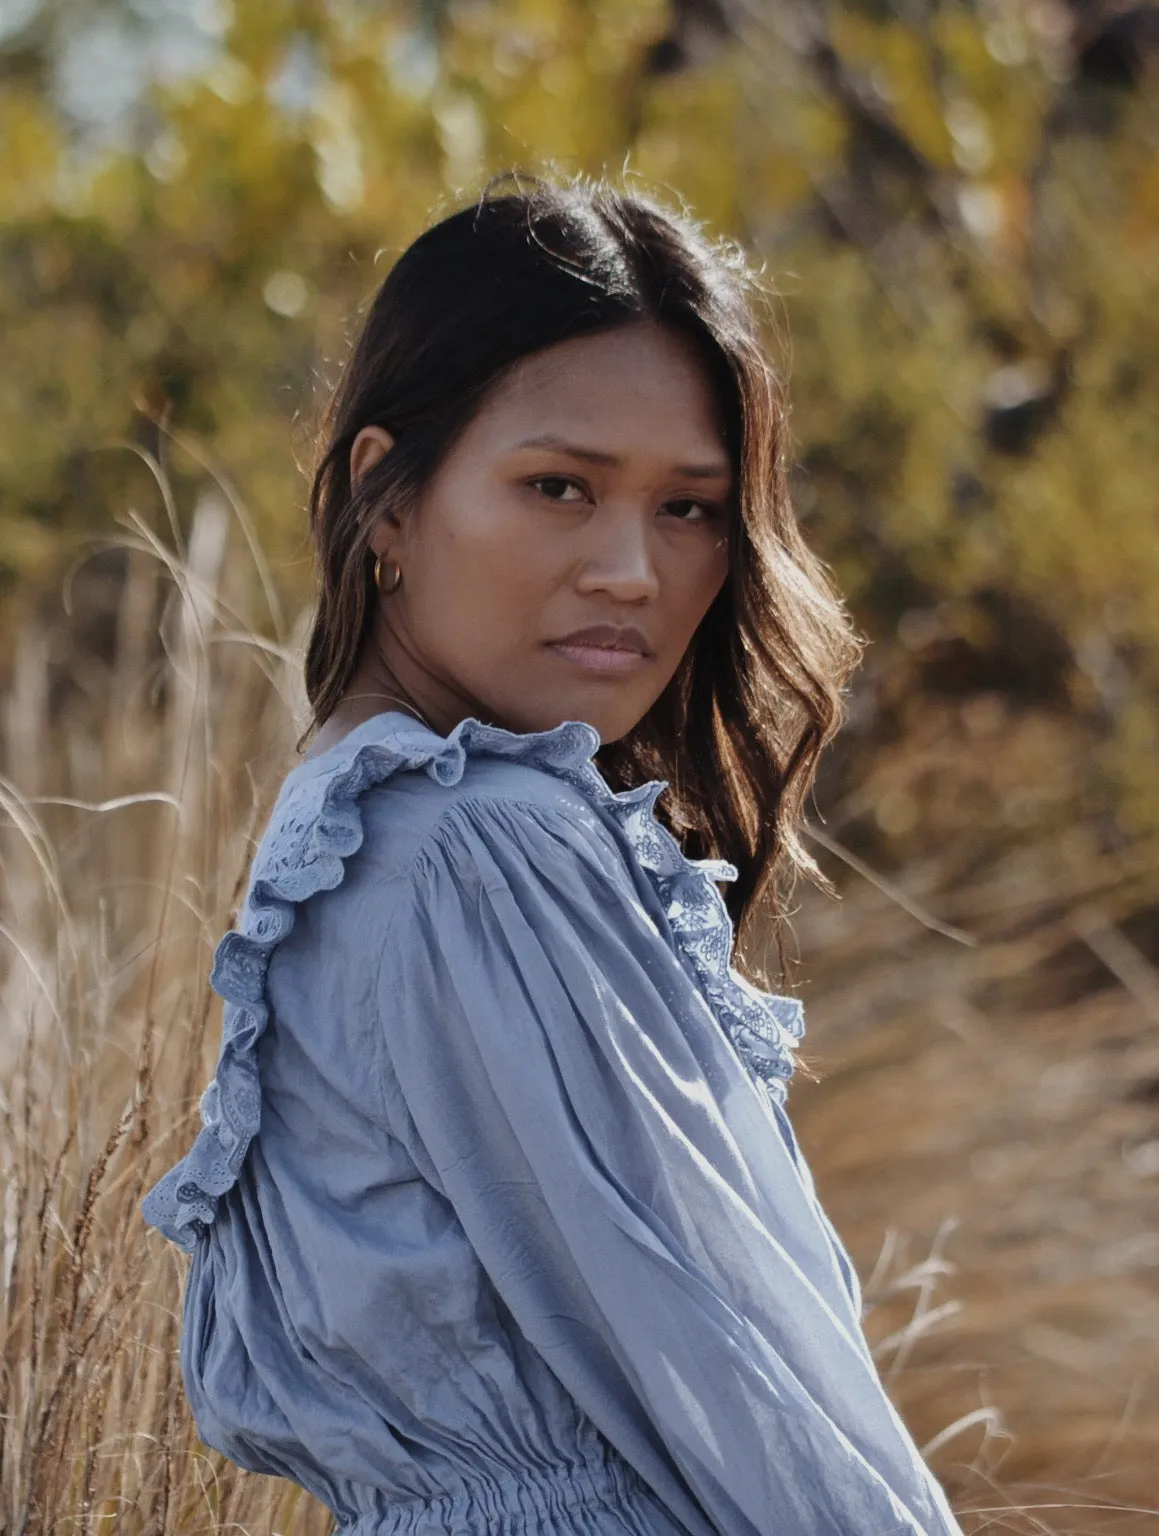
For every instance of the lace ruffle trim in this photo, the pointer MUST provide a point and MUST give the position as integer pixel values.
(316, 826)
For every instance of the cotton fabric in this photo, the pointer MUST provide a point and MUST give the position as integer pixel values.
(497, 1220)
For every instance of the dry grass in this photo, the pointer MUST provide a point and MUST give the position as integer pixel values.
(967, 1112)
(129, 810)
(986, 1151)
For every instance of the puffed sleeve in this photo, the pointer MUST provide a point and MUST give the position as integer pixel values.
(559, 1077)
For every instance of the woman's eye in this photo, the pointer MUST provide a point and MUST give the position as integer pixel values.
(551, 484)
(708, 510)
(555, 488)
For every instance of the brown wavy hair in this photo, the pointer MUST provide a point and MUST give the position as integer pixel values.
(759, 692)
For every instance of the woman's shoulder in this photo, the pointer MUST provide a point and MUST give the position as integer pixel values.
(402, 813)
(376, 793)
(382, 789)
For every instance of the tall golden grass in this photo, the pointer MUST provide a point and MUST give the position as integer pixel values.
(978, 1149)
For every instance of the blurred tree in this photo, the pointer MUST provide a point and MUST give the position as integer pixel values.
(959, 204)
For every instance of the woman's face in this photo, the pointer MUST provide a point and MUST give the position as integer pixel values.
(592, 487)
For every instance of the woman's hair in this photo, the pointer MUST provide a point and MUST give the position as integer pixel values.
(738, 731)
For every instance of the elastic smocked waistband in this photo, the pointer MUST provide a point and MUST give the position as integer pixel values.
(523, 1500)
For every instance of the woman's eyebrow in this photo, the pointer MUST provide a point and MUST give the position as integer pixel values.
(717, 471)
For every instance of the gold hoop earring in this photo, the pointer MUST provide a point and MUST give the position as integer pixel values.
(395, 584)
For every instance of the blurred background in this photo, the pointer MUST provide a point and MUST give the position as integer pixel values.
(956, 205)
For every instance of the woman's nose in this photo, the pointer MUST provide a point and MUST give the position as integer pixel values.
(620, 556)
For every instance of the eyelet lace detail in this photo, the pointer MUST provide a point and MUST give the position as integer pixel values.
(316, 825)
(763, 1026)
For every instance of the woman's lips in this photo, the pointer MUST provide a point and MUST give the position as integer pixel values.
(600, 658)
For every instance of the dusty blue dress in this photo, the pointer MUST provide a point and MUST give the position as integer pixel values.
(498, 1226)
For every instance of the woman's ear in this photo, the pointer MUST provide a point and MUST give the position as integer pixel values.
(371, 444)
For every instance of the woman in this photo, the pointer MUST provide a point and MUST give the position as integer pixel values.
(497, 1222)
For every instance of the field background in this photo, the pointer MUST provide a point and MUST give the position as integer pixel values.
(957, 209)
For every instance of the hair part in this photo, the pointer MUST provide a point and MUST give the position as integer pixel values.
(740, 728)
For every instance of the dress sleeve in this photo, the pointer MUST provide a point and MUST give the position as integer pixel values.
(558, 1076)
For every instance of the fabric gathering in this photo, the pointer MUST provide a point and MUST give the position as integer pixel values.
(497, 1220)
